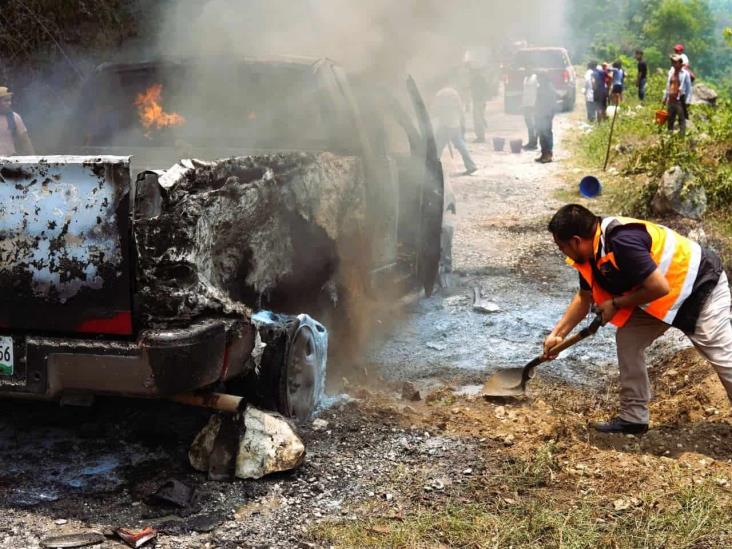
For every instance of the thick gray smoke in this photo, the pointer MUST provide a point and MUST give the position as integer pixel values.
(420, 36)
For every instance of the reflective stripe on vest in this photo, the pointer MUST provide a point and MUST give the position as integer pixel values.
(677, 257)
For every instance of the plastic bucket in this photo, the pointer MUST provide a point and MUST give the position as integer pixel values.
(661, 117)
(499, 143)
(589, 186)
(515, 145)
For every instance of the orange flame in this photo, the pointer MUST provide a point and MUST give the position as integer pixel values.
(151, 112)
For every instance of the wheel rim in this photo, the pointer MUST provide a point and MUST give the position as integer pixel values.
(303, 383)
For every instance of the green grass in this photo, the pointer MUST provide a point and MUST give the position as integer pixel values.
(522, 505)
(689, 517)
(647, 151)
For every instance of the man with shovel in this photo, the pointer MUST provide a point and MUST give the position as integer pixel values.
(644, 279)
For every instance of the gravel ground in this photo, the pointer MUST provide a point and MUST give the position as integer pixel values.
(81, 470)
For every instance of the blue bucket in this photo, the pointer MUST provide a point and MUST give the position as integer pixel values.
(590, 186)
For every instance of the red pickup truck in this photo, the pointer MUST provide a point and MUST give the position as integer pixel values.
(555, 61)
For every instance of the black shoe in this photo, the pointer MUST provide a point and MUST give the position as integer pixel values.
(618, 425)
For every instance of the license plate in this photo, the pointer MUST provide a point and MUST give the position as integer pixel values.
(7, 366)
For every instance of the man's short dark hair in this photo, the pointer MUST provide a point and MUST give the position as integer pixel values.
(640, 52)
(573, 220)
(592, 65)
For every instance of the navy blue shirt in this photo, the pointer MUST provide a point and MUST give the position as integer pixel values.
(631, 245)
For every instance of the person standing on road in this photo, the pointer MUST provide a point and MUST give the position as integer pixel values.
(589, 93)
(618, 75)
(479, 96)
(450, 124)
(678, 94)
(528, 105)
(642, 77)
(14, 137)
(600, 90)
(546, 105)
(644, 279)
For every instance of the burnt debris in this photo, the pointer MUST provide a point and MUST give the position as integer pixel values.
(245, 233)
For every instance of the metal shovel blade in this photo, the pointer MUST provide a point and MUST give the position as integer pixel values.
(512, 381)
(505, 383)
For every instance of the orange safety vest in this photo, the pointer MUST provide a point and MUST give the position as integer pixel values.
(677, 257)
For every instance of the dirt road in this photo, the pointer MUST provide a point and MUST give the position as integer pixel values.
(384, 471)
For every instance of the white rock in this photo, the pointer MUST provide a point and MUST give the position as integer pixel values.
(486, 307)
(269, 445)
(699, 236)
(679, 194)
(203, 444)
(320, 424)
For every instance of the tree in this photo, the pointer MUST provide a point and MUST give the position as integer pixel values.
(689, 22)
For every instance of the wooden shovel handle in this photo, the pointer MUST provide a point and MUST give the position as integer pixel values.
(579, 336)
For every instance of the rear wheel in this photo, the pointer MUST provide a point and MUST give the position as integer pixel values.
(303, 376)
(287, 368)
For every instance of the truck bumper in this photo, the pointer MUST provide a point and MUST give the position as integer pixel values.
(159, 363)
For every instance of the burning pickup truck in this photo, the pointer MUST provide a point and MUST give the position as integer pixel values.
(288, 188)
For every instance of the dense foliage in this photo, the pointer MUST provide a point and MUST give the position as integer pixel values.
(38, 32)
(605, 30)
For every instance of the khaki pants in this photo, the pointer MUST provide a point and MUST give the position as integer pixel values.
(712, 338)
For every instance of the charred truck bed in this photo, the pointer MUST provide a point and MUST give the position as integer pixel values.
(267, 231)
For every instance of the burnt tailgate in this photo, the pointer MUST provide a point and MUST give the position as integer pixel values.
(64, 253)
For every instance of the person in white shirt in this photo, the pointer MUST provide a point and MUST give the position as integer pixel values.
(589, 92)
(528, 105)
(678, 92)
(679, 50)
(450, 124)
(14, 137)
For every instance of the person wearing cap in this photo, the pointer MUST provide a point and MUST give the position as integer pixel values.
(678, 94)
(679, 50)
(14, 137)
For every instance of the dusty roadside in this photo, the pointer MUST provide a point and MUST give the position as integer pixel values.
(449, 470)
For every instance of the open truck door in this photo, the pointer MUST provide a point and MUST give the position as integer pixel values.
(431, 195)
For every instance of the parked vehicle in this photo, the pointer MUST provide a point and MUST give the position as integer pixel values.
(555, 61)
(120, 277)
